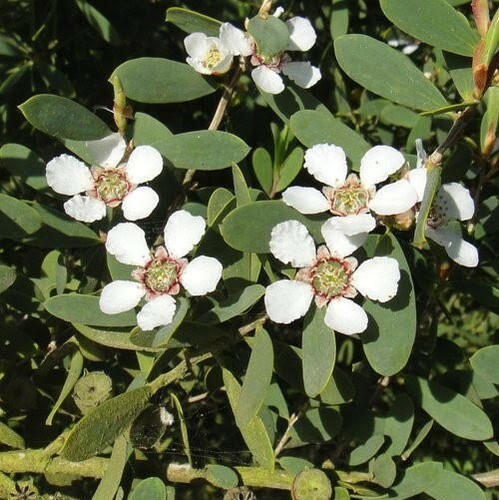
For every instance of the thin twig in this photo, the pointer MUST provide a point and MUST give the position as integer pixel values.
(285, 437)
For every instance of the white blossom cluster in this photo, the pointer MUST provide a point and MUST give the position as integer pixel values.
(214, 55)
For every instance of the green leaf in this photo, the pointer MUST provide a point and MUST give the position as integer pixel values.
(434, 22)
(7, 277)
(290, 169)
(338, 24)
(17, 218)
(151, 488)
(221, 476)
(262, 166)
(318, 352)
(384, 470)
(111, 338)
(104, 424)
(191, 21)
(147, 130)
(271, 35)
(386, 72)
(24, 165)
(74, 372)
(203, 150)
(11, 438)
(338, 390)
(155, 80)
(254, 434)
(461, 73)
(63, 118)
(99, 23)
(420, 437)
(183, 427)
(237, 304)
(485, 363)
(248, 228)
(397, 424)
(453, 486)
(60, 231)
(318, 426)
(365, 451)
(399, 116)
(491, 40)
(312, 484)
(221, 202)
(316, 127)
(111, 480)
(391, 330)
(417, 479)
(241, 190)
(256, 380)
(451, 410)
(78, 308)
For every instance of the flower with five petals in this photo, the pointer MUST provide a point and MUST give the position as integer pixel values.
(109, 183)
(160, 274)
(327, 275)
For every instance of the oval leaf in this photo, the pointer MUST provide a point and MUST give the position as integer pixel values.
(248, 228)
(416, 479)
(391, 330)
(203, 150)
(434, 22)
(257, 378)
(17, 219)
(317, 127)
(271, 34)
(77, 308)
(451, 410)
(156, 80)
(453, 486)
(192, 22)
(318, 352)
(386, 72)
(485, 363)
(151, 488)
(63, 118)
(104, 424)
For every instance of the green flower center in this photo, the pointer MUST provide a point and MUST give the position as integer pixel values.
(349, 199)
(111, 186)
(330, 278)
(213, 58)
(161, 275)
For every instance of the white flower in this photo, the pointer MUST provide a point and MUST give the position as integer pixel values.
(207, 54)
(109, 183)
(452, 203)
(161, 274)
(328, 276)
(266, 73)
(347, 195)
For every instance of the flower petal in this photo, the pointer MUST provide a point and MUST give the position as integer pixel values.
(85, 208)
(68, 175)
(306, 200)
(201, 275)
(139, 203)
(379, 163)
(302, 73)
(301, 34)
(287, 300)
(344, 235)
(120, 296)
(394, 198)
(236, 41)
(377, 278)
(145, 163)
(456, 200)
(127, 242)
(157, 312)
(196, 45)
(418, 178)
(267, 80)
(327, 163)
(459, 250)
(182, 232)
(291, 244)
(107, 152)
(345, 316)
